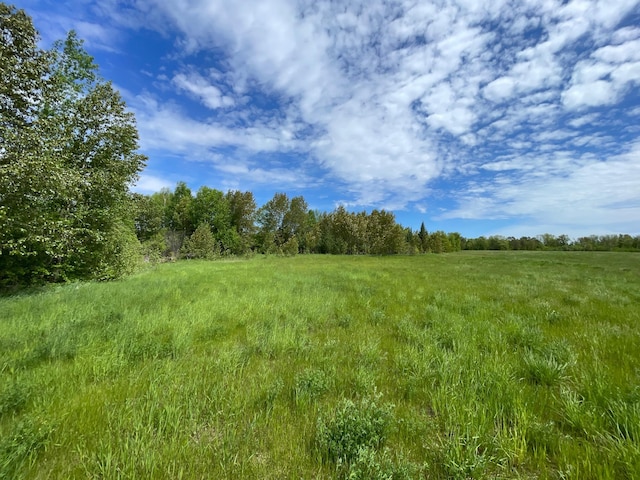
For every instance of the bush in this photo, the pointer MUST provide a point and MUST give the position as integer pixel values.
(155, 248)
(352, 427)
(370, 465)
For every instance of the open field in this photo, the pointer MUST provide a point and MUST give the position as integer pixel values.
(469, 365)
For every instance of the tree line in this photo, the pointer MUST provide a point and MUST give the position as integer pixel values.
(623, 242)
(178, 224)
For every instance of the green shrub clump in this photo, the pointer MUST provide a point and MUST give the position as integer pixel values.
(353, 426)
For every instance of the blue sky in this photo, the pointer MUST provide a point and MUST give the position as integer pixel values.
(482, 117)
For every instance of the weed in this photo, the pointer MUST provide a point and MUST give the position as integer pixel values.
(14, 396)
(22, 445)
(542, 369)
(310, 385)
(351, 427)
(464, 457)
(370, 464)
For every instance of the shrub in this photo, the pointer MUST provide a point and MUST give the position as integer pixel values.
(290, 247)
(352, 426)
(371, 465)
(154, 249)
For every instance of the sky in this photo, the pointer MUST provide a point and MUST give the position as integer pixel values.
(485, 117)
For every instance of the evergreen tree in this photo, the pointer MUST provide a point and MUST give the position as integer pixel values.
(201, 244)
(423, 235)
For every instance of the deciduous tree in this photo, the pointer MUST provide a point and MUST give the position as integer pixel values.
(68, 157)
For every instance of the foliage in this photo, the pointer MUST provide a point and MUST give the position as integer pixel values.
(548, 241)
(68, 158)
(291, 246)
(201, 244)
(372, 465)
(242, 208)
(351, 427)
(282, 223)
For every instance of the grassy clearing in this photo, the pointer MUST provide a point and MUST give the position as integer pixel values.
(470, 365)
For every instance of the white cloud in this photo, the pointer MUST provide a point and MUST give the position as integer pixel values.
(625, 52)
(500, 89)
(202, 89)
(605, 77)
(150, 183)
(593, 94)
(574, 195)
(166, 127)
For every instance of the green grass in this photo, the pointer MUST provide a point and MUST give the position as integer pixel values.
(469, 365)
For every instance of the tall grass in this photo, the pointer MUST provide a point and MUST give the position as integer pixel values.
(469, 365)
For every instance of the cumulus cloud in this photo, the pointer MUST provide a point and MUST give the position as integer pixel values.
(565, 191)
(148, 183)
(386, 99)
(202, 88)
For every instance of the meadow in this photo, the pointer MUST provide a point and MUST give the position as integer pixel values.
(465, 365)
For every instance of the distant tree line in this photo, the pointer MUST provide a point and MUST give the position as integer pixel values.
(211, 223)
(624, 243)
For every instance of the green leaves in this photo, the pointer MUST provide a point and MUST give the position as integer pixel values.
(68, 156)
(351, 428)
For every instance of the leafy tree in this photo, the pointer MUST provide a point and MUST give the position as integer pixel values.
(498, 242)
(290, 247)
(179, 212)
(412, 241)
(350, 231)
(149, 215)
(482, 243)
(294, 222)
(327, 238)
(439, 242)
(385, 235)
(242, 209)
(25, 228)
(67, 159)
(455, 241)
(309, 242)
(212, 206)
(271, 220)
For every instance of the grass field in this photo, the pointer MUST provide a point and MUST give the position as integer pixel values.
(469, 365)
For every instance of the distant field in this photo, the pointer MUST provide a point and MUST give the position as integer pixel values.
(468, 365)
